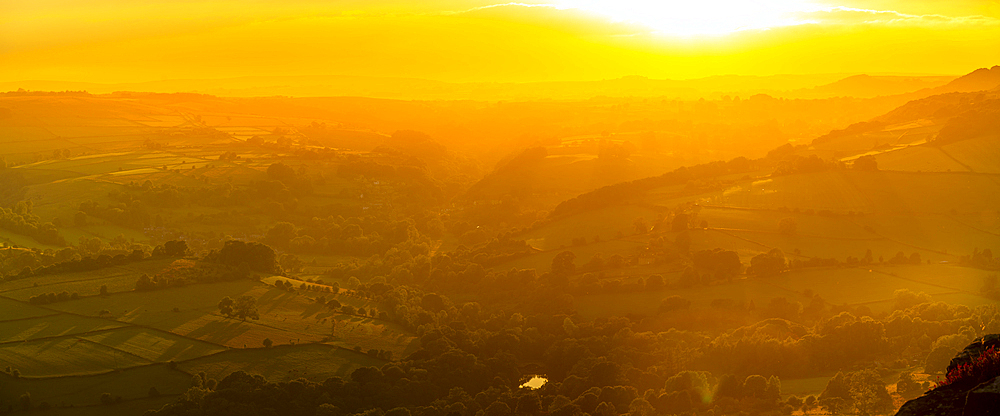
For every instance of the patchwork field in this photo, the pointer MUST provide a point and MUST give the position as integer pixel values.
(284, 363)
(837, 286)
(117, 278)
(65, 356)
(130, 384)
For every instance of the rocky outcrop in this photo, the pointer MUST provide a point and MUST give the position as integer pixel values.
(961, 399)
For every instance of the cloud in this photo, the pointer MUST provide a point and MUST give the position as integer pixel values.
(843, 15)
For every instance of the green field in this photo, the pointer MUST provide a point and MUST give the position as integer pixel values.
(11, 309)
(154, 345)
(130, 384)
(52, 326)
(315, 362)
(882, 192)
(837, 286)
(65, 356)
(979, 155)
(542, 261)
(607, 223)
(919, 159)
(284, 317)
(117, 278)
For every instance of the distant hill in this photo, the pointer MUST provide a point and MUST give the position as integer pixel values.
(979, 80)
(789, 86)
(868, 86)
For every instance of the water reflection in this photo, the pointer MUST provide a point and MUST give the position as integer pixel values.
(535, 382)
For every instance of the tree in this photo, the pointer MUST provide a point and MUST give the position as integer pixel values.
(766, 264)
(104, 290)
(106, 399)
(562, 263)
(246, 308)
(869, 393)
(866, 162)
(268, 343)
(144, 283)
(175, 248)
(226, 306)
(281, 172)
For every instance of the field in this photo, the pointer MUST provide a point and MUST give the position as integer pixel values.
(117, 278)
(130, 384)
(67, 356)
(607, 223)
(52, 326)
(839, 192)
(315, 362)
(542, 261)
(185, 168)
(846, 286)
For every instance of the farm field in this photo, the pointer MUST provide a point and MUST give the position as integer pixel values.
(542, 261)
(606, 223)
(919, 159)
(11, 310)
(767, 221)
(65, 356)
(839, 286)
(867, 192)
(52, 326)
(244, 212)
(315, 362)
(979, 155)
(153, 345)
(117, 278)
(130, 384)
(284, 317)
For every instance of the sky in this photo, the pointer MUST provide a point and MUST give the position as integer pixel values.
(113, 41)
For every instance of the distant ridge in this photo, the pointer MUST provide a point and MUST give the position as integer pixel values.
(981, 79)
(713, 87)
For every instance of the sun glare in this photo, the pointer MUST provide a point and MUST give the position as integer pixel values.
(687, 18)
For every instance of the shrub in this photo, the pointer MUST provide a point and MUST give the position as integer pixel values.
(979, 369)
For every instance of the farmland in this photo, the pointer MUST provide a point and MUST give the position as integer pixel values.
(182, 239)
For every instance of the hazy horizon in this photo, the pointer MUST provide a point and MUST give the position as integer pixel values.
(537, 208)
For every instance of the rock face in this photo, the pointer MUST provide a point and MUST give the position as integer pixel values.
(958, 399)
(974, 350)
(984, 399)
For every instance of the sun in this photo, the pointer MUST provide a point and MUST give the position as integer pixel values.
(687, 18)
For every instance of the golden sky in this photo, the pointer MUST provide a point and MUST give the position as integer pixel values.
(479, 40)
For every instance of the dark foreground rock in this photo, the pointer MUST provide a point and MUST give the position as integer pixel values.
(984, 399)
(960, 399)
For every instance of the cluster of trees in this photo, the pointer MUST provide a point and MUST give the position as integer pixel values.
(360, 236)
(19, 220)
(768, 264)
(246, 257)
(46, 298)
(860, 392)
(982, 259)
(132, 214)
(83, 264)
(243, 308)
